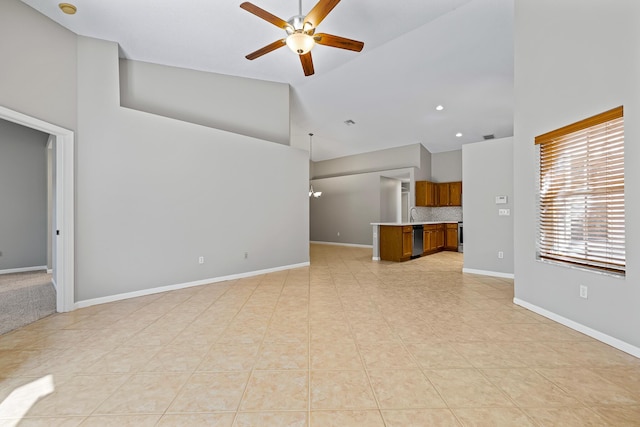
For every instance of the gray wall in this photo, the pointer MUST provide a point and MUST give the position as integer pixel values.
(349, 204)
(390, 190)
(351, 199)
(424, 171)
(38, 72)
(389, 159)
(154, 194)
(23, 196)
(213, 100)
(574, 59)
(487, 173)
(446, 166)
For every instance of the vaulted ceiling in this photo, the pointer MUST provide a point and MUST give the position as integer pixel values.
(417, 54)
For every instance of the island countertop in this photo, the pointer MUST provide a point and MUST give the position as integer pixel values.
(400, 224)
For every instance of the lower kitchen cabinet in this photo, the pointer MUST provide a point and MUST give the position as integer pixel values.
(451, 238)
(407, 241)
(396, 242)
(433, 240)
(440, 235)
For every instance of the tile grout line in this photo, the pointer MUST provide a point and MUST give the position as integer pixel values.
(364, 366)
(309, 278)
(253, 366)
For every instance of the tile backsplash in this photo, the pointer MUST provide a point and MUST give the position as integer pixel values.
(447, 213)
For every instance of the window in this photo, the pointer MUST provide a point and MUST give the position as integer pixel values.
(581, 193)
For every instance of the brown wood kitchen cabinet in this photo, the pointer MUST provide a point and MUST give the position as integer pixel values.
(426, 193)
(451, 237)
(455, 193)
(443, 194)
(431, 239)
(396, 242)
(440, 235)
(432, 194)
(450, 193)
(407, 241)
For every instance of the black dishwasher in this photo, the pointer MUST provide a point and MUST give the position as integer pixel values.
(418, 236)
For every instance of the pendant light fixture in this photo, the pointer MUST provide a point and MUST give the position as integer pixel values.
(315, 194)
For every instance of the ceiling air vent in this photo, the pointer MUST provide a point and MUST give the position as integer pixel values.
(349, 122)
(488, 136)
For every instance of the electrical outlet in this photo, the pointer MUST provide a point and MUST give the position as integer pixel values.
(246, 255)
(500, 254)
(201, 260)
(583, 291)
(504, 212)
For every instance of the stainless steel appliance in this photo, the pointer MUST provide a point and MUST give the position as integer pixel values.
(418, 235)
(460, 237)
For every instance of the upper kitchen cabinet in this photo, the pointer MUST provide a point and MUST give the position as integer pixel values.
(438, 194)
(426, 193)
(455, 193)
(450, 194)
(443, 194)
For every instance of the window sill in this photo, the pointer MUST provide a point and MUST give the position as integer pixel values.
(581, 268)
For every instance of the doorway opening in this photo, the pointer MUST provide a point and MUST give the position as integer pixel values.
(63, 262)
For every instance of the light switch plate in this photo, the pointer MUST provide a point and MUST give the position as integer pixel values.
(501, 200)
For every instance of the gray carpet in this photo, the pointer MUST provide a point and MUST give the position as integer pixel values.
(25, 298)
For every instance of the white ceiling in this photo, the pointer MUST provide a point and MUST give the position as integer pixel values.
(417, 54)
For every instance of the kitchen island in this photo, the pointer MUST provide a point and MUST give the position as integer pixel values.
(402, 241)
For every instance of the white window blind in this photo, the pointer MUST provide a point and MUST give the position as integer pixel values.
(581, 218)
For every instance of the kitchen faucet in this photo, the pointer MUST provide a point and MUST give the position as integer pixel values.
(411, 211)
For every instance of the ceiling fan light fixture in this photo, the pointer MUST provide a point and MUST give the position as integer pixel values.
(300, 43)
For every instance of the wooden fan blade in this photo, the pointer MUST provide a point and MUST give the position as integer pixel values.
(320, 11)
(268, 48)
(261, 13)
(340, 42)
(307, 64)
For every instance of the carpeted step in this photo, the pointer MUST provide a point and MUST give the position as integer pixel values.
(25, 298)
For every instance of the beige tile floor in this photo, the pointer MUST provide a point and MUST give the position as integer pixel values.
(348, 342)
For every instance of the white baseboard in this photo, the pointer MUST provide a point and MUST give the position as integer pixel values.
(23, 269)
(143, 292)
(352, 245)
(488, 273)
(613, 342)
(375, 258)
(49, 270)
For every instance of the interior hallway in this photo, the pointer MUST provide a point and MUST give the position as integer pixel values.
(346, 342)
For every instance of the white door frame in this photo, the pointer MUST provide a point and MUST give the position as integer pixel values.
(64, 266)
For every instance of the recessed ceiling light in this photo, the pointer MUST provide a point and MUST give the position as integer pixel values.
(67, 8)
(458, 135)
(439, 108)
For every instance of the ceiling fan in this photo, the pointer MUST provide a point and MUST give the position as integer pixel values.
(301, 32)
